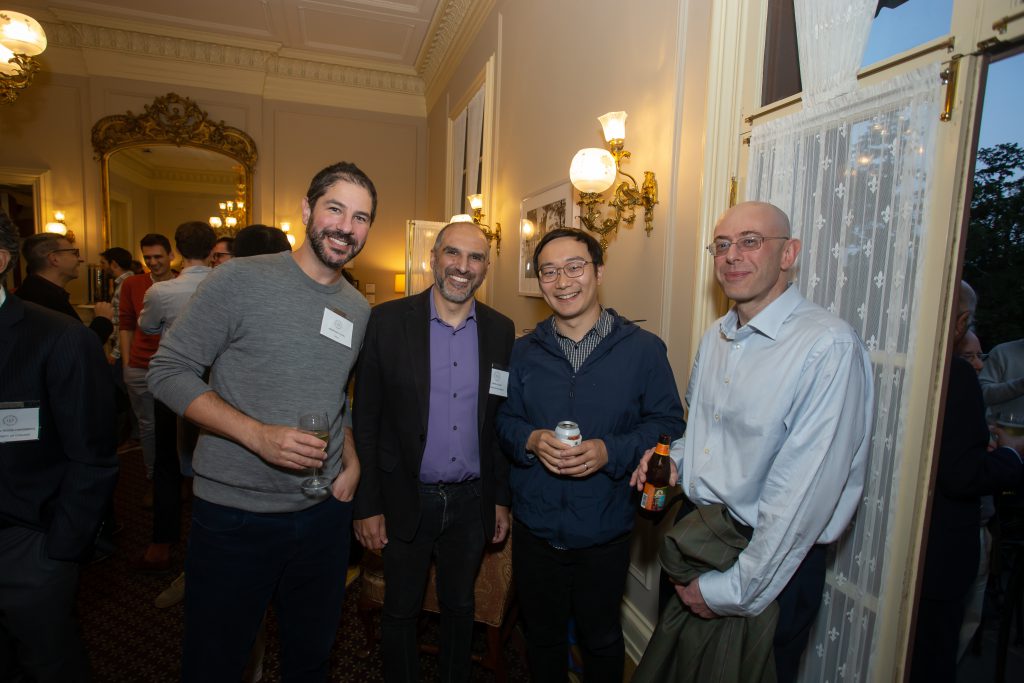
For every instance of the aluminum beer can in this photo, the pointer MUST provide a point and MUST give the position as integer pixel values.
(568, 432)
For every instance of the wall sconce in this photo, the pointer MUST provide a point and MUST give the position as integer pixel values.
(476, 203)
(399, 283)
(286, 228)
(59, 226)
(593, 170)
(21, 39)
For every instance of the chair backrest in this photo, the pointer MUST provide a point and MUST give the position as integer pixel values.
(493, 587)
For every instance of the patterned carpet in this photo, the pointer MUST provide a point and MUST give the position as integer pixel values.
(130, 640)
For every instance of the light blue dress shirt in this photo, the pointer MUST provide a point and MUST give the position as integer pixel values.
(779, 429)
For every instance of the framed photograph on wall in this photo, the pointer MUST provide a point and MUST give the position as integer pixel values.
(545, 210)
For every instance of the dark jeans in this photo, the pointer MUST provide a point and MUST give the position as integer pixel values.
(39, 632)
(166, 477)
(553, 585)
(238, 562)
(937, 640)
(450, 530)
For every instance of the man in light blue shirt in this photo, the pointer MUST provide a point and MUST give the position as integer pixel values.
(780, 407)
(162, 304)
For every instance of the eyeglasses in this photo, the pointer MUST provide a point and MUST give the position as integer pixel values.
(571, 269)
(219, 255)
(752, 242)
(73, 250)
(974, 356)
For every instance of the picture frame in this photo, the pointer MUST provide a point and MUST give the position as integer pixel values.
(546, 209)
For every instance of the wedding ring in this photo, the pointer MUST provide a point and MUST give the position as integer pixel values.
(586, 466)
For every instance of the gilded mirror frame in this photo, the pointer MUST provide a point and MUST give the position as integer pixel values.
(170, 120)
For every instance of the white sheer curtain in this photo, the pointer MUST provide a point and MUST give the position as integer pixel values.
(831, 35)
(853, 175)
(466, 148)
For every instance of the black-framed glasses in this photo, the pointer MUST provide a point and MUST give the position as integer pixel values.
(974, 356)
(571, 269)
(74, 250)
(751, 242)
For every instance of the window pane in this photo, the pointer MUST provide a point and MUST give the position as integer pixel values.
(901, 27)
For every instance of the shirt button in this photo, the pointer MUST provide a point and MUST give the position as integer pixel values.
(455, 428)
(726, 380)
(717, 417)
(456, 363)
(706, 451)
(735, 346)
(453, 459)
(455, 395)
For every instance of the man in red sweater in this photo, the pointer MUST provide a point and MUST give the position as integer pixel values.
(138, 347)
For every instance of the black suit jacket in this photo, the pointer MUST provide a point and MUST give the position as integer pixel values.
(42, 292)
(392, 399)
(967, 471)
(60, 483)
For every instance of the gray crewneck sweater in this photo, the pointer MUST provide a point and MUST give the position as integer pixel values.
(255, 322)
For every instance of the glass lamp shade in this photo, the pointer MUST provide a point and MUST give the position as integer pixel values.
(614, 125)
(216, 222)
(57, 228)
(6, 68)
(476, 201)
(461, 218)
(592, 170)
(21, 33)
(527, 229)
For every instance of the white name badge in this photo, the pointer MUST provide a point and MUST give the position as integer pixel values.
(337, 327)
(19, 422)
(499, 382)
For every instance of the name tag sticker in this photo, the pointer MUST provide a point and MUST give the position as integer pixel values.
(499, 382)
(19, 422)
(337, 327)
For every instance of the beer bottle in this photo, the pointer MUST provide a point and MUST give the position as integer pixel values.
(659, 470)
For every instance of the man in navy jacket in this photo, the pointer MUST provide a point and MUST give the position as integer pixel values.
(573, 506)
(57, 469)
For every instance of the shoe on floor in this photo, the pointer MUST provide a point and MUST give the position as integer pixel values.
(173, 594)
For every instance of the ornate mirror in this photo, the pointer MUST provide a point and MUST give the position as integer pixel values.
(169, 165)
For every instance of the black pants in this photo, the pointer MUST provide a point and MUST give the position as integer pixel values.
(166, 477)
(553, 585)
(39, 632)
(452, 532)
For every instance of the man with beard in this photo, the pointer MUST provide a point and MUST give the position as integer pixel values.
(280, 334)
(435, 483)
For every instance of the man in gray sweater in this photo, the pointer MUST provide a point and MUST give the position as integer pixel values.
(280, 334)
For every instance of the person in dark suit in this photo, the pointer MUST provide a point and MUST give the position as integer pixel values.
(52, 262)
(57, 467)
(967, 470)
(434, 480)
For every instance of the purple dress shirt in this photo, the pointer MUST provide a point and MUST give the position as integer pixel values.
(452, 451)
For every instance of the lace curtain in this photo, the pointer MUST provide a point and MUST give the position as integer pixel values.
(853, 175)
(831, 35)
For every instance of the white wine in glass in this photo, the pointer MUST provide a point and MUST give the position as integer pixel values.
(318, 425)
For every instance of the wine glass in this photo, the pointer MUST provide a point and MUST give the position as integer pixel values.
(319, 426)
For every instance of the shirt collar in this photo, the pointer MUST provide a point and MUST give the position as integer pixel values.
(601, 328)
(769, 321)
(435, 316)
(3, 295)
(123, 276)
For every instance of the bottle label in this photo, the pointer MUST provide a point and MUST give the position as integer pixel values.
(654, 497)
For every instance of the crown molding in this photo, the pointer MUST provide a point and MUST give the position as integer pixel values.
(453, 30)
(118, 49)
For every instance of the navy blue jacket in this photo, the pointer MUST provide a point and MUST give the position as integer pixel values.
(624, 394)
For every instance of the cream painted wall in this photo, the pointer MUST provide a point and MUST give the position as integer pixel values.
(560, 65)
(48, 129)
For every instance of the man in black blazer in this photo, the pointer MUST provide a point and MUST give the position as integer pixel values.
(967, 470)
(57, 467)
(434, 480)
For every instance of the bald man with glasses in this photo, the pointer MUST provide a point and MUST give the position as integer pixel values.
(779, 428)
